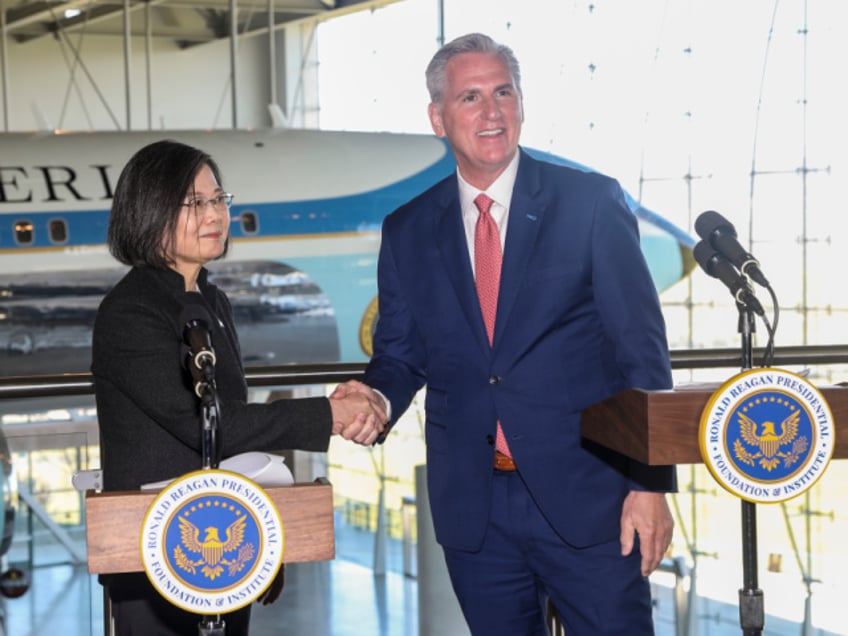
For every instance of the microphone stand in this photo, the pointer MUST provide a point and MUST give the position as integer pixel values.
(751, 606)
(209, 411)
(210, 458)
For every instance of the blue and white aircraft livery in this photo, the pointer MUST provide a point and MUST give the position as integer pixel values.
(301, 270)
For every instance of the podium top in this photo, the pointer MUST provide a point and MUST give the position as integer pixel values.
(114, 521)
(661, 427)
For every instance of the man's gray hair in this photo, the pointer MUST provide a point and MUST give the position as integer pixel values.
(470, 43)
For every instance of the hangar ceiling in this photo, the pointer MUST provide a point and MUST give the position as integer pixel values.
(187, 22)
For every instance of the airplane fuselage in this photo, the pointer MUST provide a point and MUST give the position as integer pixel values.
(301, 269)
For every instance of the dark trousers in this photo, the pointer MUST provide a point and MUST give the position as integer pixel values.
(504, 588)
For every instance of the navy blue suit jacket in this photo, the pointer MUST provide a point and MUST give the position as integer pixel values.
(578, 321)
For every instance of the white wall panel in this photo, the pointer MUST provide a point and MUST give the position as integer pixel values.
(190, 87)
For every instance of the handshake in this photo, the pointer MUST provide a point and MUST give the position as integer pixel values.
(359, 412)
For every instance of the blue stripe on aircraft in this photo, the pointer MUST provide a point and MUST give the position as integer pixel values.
(363, 212)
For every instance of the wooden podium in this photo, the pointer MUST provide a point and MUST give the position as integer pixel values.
(114, 521)
(661, 427)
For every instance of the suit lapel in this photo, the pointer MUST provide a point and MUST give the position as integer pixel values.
(526, 212)
(450, 237)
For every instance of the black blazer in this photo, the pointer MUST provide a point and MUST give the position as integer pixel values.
(147, 410)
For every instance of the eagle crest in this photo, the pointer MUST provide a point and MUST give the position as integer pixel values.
(212, 550)
(768, 444)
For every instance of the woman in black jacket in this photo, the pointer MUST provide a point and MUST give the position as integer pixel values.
(170, 216)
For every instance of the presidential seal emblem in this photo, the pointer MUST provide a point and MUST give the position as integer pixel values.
(367, 326)
(212, 542)
(766, 435)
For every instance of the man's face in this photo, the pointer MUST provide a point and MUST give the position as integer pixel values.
(481, 116)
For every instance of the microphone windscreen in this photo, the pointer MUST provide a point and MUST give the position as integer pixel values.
(196, 321)
(193, 309)
(703, 252)
(709, 221)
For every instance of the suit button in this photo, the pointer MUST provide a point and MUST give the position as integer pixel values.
(494, 379)
(490, 440)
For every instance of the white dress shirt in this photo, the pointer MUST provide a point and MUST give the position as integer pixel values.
(500, 192)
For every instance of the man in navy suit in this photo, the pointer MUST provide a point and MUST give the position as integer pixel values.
(525, 509)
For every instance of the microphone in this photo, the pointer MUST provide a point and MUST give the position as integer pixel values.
(717, 266)
(199, 355)
(196, 336)
(720, 233)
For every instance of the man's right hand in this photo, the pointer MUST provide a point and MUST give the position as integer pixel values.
(359, 414)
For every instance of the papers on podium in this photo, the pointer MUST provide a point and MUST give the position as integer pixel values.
(265, 469)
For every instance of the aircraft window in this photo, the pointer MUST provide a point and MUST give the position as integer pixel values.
(58, 230)
(24, 232)
(249, 222)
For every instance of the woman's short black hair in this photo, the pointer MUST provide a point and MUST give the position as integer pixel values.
(148, 199)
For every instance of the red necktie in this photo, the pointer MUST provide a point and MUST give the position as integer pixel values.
(487, 269)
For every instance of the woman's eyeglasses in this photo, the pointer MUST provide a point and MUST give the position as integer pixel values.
(222, 202)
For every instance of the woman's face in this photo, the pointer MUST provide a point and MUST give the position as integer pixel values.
(202, 227)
